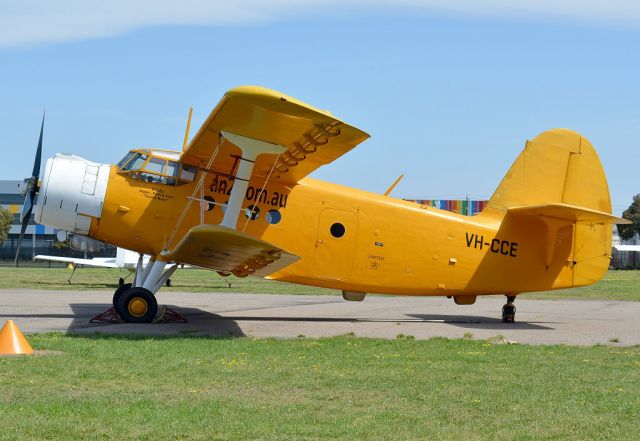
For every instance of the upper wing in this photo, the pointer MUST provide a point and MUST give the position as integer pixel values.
(311, 136)
(97, 262)
(224, 249)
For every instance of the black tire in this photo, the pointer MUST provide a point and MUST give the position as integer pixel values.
(508, 313)
(116, 295)
(137, 305)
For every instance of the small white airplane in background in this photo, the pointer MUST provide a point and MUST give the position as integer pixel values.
(125, 259)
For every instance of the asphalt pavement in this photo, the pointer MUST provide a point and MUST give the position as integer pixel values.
(574, 322)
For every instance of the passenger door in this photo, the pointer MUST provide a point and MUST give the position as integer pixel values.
(335, 244)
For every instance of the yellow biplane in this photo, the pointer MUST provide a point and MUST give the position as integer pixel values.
(238, 200)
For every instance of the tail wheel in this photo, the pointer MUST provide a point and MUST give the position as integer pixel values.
(137, 305)
(508, 313)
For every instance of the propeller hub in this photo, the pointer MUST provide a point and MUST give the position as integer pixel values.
(27, 185)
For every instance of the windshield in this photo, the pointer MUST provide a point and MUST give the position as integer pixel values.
(126, 159)
(135, 162)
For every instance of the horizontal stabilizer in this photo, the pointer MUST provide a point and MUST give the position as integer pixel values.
(567, 212)
(228, 250)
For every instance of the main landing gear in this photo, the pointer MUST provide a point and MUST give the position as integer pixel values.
(121, 282)
(509, 310)
(136, 302)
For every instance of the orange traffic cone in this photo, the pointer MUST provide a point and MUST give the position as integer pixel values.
(12, 342)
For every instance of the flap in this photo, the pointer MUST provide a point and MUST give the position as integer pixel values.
(224, 249)
(311, 137)
(567, 212)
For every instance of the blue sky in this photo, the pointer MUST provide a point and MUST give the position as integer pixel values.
(449, 96)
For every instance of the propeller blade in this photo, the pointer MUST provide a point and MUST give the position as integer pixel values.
(27, 206)
(38, 158)
(25, 222)
(30, 191)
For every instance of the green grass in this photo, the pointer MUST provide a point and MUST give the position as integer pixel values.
(616, 285)
(184, 280)
(116, 387)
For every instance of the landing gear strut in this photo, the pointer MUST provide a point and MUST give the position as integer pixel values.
(136, 302)
(509, 310)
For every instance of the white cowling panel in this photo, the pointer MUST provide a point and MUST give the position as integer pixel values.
(72, 193)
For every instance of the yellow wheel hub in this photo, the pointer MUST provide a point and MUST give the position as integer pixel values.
(138, 307)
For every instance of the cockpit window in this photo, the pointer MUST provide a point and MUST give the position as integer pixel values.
(146, 166)
(172, 168)
(155, 165)
(135, 163)
(124, 160)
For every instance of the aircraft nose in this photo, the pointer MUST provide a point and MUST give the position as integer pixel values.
(72, 193)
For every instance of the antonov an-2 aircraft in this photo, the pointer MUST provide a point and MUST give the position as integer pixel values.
(237, 199)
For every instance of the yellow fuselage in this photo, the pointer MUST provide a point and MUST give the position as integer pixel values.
(388, 246)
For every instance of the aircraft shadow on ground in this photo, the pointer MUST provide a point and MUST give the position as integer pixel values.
(205, 323)
(478, 322)
(199, 322)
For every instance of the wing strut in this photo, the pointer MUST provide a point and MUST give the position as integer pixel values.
(193, 195)
(186, 133)
(251, 148)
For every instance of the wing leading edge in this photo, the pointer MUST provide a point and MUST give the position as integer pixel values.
(311, 137)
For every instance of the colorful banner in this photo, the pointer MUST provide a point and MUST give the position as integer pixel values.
(461, 206)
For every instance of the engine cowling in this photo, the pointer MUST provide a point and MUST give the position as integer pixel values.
(72, 193)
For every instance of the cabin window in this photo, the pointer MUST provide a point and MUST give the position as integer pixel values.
(210, 204)
(252, 212)
(273, 217)
(337, 230)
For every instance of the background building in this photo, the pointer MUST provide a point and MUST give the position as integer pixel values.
(38, 239)
(626, 253)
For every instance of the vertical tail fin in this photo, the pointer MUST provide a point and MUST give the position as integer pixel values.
(560, 166)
